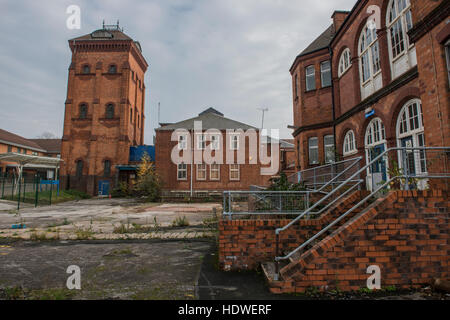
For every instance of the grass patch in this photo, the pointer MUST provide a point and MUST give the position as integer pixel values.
(180, 222)
(19, 293)
(44, 196)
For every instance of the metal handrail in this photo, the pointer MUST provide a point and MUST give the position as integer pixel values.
(376, 159)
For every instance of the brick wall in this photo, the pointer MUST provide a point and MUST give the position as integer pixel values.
(405, 234)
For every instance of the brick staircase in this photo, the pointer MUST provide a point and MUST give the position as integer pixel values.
(292, 271)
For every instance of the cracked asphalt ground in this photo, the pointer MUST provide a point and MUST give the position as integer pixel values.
(166, 270)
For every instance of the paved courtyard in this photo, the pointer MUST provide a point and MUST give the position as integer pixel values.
(109, 219)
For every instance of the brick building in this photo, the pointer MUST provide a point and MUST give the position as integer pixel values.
(104, 109)
(359, 90)
(13, 143)
(218, 175)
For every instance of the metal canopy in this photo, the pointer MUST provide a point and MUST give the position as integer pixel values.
(25, 159)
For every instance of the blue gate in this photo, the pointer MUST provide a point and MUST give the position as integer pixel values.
(103, 188)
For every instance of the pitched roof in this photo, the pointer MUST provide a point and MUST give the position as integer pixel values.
(50, 145)
(18, 141)
(211, 119)
(103, 34)
(321, 42)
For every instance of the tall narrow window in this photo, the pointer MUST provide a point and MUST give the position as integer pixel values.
(234, 142)
(349, 143)
(296, 86)
(131, 115)
(110, 111)
(9, 148)
(79, 168)
(201, 141)
(328, 148)
(182, 142)
(234, 172)
(447, 54)
(313, 146)
(345, 62)
(83, 111)
(201, 171)
(215, 142)
(325, 73)
(107, 168)
(310, 78)
(399, 23)
(182, 171)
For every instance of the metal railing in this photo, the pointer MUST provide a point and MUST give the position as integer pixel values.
(321, 175)
(259, 201)
(416, 165)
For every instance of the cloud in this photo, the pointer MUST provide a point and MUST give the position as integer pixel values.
(232, 55)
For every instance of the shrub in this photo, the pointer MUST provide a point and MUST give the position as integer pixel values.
(148, 184)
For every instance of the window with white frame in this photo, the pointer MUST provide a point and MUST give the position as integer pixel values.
(201, 171)
(376, 133)
(399, 23)
(182, 171)
(325, 73)
(410, 133)
(310, 78)
(201, 142)
(234, 142)
(345, 62)
(349, 143)
(328, 148)
(182, 142)
(402, 53)
(369, 54)
(447, 54)
(215, 142)
(313, 147)
(234, 172)
(214, 173)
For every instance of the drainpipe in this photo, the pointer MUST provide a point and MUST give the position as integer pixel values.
(333, 101)
(192, 159)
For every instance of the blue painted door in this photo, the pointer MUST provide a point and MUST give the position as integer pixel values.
(379, 167)
(410, 161)
(103, 188)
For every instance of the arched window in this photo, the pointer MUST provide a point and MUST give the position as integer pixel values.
(79, 168)
(399, 22)
(375, 133)
(345, 62)
(83, 111)
(110, 111)
(107, 168)
(86, 69)
(410, 134)
(112, 69)
(370, 64)
(349, 143)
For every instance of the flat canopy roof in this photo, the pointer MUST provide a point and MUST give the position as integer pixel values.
(25, 159)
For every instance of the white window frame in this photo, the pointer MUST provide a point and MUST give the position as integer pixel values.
(328, 146)
(182, 169)
(201, 168)
(311, 148)
(345, 62)
(310, 75)
(368, 48)
(400, 18)
(182, 142)
(234, 141)
(215, 141)
(201, 141)
(324, 71)
(233, 169)
(212, 170)
(349, 146)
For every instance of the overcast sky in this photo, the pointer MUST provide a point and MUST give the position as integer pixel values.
(233, 55)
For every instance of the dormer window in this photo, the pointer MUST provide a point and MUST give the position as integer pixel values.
(345, 62)
(112, 69)
(86, 69)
